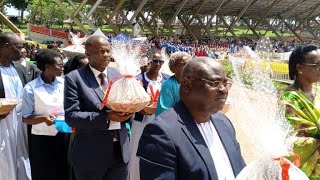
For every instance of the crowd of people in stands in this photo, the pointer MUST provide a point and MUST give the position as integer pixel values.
(179, 138)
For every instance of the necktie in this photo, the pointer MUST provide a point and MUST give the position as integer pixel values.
(103, 82)
(104, 87)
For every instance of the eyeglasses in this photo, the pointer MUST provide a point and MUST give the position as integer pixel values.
(217, 84)
(157, 62)
(317, 65)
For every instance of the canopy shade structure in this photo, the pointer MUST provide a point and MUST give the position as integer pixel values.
(256, 9)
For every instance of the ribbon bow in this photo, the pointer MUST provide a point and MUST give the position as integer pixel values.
(285, 165)
(109, 87)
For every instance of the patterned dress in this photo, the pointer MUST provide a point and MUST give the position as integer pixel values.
(304, 115)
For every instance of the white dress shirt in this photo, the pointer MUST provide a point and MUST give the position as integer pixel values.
(217, 151)
(96, 74)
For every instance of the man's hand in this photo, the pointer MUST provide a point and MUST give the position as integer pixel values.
(118, 116)
(48, 120)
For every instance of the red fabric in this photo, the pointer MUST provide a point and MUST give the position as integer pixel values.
(109, 88)
(285, 166)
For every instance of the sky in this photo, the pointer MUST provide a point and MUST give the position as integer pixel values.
(10, 11)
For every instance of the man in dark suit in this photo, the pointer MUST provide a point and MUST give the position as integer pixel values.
(98, 153)
(193, 140)
(26, 71)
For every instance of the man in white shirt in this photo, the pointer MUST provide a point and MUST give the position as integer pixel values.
(193, 140)
(98, 153)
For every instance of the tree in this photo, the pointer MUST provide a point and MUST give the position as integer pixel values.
(47, 12)
(20, 5)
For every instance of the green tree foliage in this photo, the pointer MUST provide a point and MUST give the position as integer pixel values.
(20, 5)
(46, 12)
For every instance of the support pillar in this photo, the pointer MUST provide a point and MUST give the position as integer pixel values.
(230, 29)
(239, 16)
(136, 12)
(76, 21)
(105, 17)
(250, 27)
(291, 29)
(13, 27)
(83, 16)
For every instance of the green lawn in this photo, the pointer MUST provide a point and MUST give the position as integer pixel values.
(242, 31)
(239, 31)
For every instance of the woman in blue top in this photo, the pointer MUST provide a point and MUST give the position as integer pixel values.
(42, 102)
(169, 93)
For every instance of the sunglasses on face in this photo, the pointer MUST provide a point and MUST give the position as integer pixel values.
(157, 62)
(316, 65)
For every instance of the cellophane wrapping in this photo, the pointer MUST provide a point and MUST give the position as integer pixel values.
(127, 93)
(264, 126)
(269, 169)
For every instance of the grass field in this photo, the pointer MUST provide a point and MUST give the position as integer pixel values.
(239, 31)
(243, 31)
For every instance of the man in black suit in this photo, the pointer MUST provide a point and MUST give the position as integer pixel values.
(98, 153)
(193, 140)
(26, 71)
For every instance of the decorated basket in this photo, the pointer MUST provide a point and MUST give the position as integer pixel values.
(7, 105)
(151, 109)
(126, 95)
(131, 107)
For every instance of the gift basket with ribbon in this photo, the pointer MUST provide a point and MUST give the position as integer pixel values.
(261, 120)
(7, 105)
(125, 93)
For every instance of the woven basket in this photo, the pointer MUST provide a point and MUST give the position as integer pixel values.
(128, 108)
(6, 108)
(150, 109)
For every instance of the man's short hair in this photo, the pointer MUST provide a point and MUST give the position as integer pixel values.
(192, 68)
(7, 37)
(89, 41)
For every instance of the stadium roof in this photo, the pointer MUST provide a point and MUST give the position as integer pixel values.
(289, 9)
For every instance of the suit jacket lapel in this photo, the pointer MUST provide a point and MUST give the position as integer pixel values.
(2, 93)
(29, 72)
(191, 130)
(226, 140)
(21, 72)
(91, 79)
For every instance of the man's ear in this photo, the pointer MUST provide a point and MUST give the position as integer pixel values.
(186, 84)
(88, 51)
(299, 67)
(46, 66)
(7, 45)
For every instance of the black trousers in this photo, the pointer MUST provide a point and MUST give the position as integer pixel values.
(49, 157)
(118, 170)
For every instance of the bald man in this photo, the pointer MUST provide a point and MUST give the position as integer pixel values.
(98, 153)
(193, 140)
(14, 158)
